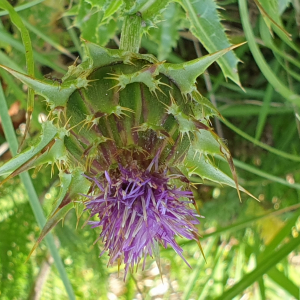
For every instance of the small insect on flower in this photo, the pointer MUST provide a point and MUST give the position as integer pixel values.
(54, 79)
(137, 209)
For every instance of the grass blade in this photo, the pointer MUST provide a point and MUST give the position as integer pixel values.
(282, 234)
(15, 18)
(22, 7)
(73, 35)
(265, 265)
(263, 174)
(284, 282)
(42, 59)
(241, 225)
(196, 272)
(260, 144)
(32, 196)
(47, 39)
(262, 64)
(263, 113)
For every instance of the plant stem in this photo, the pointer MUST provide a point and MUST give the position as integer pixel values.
(131, 33)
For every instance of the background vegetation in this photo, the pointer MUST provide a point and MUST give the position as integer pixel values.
(251, 247)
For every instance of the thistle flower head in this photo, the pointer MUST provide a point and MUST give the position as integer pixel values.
(137, 209)
(138, 122)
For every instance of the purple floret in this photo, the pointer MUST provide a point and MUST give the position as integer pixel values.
(137, 209)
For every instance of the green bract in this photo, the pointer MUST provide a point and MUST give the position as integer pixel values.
(117, 107)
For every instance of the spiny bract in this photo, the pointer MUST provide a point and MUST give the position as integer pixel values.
(127, 133)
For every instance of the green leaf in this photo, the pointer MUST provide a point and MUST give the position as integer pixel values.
(13, 88)
(22, 7)
(98, 3)
(148, 9)
(42, 59)
(15, 18)
(72, 185)
(202, 101)
(152, 48)
(260, 144)
(33, 198)
(65, 182)
(25, 35)
(185, 74)
(132, 7)
(49, 132)
(283, 4)
(89, 28)
(166, 34)
(243, 224)
(205, 143)
(262, 64)
(5, 59)
(285, 232)
(51, 222)
(107, 32)
(93, 18)
(112, 8)
(284, 282)
(266, 175)
(48, 39)
(206, 26)
(196, 270)
(55, 93)
(88, 19)
(270, 11)
(216, 267)
(73, 35)
(199, 165)
(156, 7)
(263, 113)
(265, 265)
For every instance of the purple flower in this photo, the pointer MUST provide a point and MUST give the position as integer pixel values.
(138, 209)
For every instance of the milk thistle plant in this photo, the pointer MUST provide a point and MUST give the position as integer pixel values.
(129, 133)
